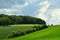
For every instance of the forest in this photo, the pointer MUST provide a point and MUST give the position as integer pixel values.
(14, 19)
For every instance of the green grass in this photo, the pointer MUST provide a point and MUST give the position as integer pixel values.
(51, 33)
(6, 30)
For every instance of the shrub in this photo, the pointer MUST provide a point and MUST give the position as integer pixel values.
(45, 26)
(28, 31)
(15, 34)
(40, 27)
(34, 29)
(37, 27)
(22, 33)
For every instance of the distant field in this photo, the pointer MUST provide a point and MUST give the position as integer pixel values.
(6, 30)
(25, 25)
(51, 33)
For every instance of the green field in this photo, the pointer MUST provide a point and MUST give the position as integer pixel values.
(6, 30)
(51, 33)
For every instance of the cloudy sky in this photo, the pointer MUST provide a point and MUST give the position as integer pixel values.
(48, 10)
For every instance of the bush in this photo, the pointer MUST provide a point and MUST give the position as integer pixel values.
(37, 28)
(34, 29)
(28, 31)
(40, 27)
(15, 34)
(45, 26)
(22, 33)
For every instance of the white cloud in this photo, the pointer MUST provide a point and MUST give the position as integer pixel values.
(31, 1)
(42, 16)
(41, 12)
(55, 16)
(45, 6)
(9, 10)
(14, 9)
(44, 3)
(21, 6)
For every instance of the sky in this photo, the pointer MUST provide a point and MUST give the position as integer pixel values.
(48, 10)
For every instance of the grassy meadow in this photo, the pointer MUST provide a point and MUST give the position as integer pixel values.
(51, 33)
(6, 30)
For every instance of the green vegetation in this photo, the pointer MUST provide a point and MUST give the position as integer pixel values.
(26, 28)
(7, 30)
(13, 19)
(5, 21)
(21, 33)
(12, 25)
(51, 33)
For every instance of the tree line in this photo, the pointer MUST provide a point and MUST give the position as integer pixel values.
(13, 19)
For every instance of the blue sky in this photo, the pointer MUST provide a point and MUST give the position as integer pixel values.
(48, 10)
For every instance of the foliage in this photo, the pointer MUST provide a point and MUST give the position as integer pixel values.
(5, 21)
(13, 19)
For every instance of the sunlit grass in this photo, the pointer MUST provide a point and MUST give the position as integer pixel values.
(51, 33)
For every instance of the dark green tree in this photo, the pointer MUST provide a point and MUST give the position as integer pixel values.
(5, 21)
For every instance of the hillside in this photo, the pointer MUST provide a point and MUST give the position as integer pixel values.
(51, 33)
